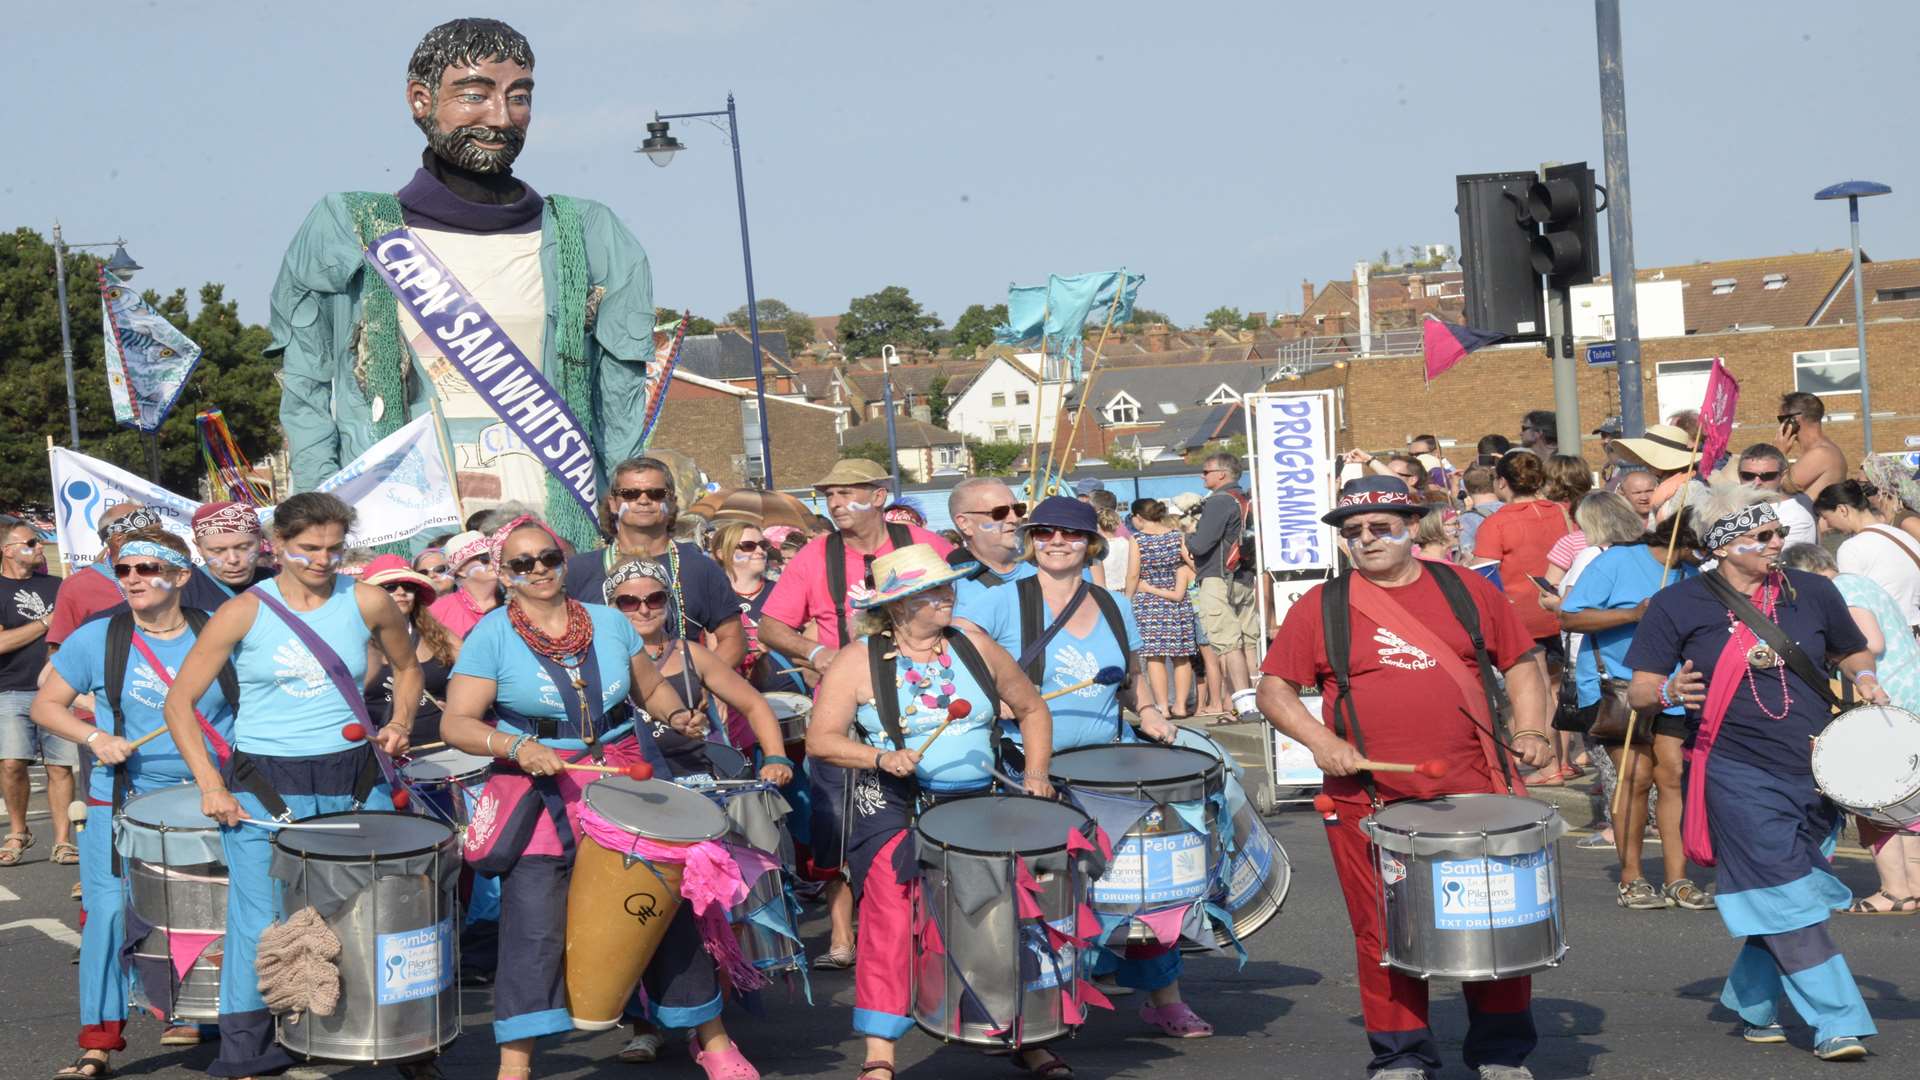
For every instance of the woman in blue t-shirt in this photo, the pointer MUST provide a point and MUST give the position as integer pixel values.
(541, 677)
(1753, 807)
(299, 693)
(1062, 537)
(909, 619)
(151, 572)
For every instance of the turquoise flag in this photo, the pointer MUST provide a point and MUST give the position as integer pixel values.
(1058, 313)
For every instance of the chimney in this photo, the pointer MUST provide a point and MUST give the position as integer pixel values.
(1416, 286)
(1157, 337)
(1363, 292)
(1306, 295)
(922, 413)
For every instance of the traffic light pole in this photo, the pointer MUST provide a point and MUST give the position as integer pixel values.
(1566, 376)
(1613, 131)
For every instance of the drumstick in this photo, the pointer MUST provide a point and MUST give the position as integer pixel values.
(425, 746)
(402, 798)
(332, 826)
(1106, 676)
(956, 710)
(145, 739)
(1432, 768)
(639, 770)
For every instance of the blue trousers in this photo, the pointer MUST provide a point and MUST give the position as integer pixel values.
(103, 980)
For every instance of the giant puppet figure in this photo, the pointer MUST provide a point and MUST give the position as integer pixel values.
(527, 319)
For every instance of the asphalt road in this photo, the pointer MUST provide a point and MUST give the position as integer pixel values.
(1636, 998)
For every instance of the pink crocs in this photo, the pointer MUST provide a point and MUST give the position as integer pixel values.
(1177, 1020)
(728, 1064)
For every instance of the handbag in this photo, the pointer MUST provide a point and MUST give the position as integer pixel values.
(1612, 713)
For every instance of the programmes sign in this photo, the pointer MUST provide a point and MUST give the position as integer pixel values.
(1290, 451)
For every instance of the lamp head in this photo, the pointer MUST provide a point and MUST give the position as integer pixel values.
(1852, 189)
(121, 265)
(660, 146)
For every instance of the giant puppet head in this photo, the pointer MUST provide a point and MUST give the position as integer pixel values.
(470, 88)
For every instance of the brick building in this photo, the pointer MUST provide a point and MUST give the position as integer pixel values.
(713, 422)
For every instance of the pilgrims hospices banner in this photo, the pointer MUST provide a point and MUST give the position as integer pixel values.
(399, 488)
(1290, 455)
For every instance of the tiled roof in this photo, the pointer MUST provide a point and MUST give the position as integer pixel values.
(1734, 293)
(1893, 280)
(1180, 386)
(729, 356)
(916, 379)
(908, 434)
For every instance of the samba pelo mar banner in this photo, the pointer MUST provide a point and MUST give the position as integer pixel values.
(1290, 457)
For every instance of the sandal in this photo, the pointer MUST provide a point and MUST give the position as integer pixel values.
(1640, 895)
(641, 1049)
(1054, 1068)
(1177, 1020)
(1685, 894)
(85, 1068)
(837, 959)
(15, 846)
(728, 1064)
(184, 1035)
(64, 854)
(876, 1066)
(1895, 905)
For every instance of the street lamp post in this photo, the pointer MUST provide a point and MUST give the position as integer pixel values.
(123, 268)
(893, 441)
(660, 148)
(1853, 191)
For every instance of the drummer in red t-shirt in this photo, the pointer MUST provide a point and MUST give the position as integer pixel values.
(1416, 695)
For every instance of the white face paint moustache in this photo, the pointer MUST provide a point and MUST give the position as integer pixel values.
(302, 560)
(1748, 547)
(862, 507)
(160, 583)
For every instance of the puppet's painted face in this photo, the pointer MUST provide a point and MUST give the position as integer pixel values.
(478, 116)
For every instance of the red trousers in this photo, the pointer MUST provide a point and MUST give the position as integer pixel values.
(1393, 1004)
(882, 970)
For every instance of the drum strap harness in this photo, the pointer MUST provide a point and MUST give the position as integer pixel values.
(121, 641)
(343, 681)
(1337, 627)
(1034, 640)
(901, 537)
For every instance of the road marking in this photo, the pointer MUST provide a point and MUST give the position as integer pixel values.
(7, 894)
(53, 928)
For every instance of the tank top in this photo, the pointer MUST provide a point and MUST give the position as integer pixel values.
(288, 705)
(426, 719)
(962, 759)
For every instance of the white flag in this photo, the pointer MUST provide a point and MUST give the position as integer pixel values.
(84, 487)
(400, 487)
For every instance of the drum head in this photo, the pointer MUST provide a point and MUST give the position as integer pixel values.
(443, 765)
(728, 763)
(786, 704)
(1868, 757)
(1130, 765)
(169, 808)
(656, 809)
(997, 824)
(384, 833)
(1464, 815)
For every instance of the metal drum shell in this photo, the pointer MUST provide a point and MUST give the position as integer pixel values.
(1413, 846)
(195, 997)
(987, 941)
(756, 818)
(176, 869)
(362, 1030)
(790, 711)
(445, 780)
(1258, 873)
(1883, 740)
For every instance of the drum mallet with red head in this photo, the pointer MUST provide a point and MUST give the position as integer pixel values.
(1106, 676)
(638, 770)
(956, 710)
(356, 732)
(1432, 768)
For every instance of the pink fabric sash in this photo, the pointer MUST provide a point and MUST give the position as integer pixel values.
(1728, 670)
(185, 949)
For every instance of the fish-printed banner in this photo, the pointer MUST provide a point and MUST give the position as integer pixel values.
(148, 358)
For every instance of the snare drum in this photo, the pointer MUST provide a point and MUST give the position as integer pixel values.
(1471, 886)
(791, 711)
(618, 903)
(388, 890)
(176, 883)
(444, 779)
(1258, 872)
(1868, 760)
(1169, 800)
(981, 972)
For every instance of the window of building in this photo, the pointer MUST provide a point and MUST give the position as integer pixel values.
(1723, 286)
(1222, 395)
(999, 433)
(1774, 281)
(1904, 292)
(1827, 371)
(1123, 409)
(999, 401)
(1021, 397)
(1026, 432)
(1680, 384)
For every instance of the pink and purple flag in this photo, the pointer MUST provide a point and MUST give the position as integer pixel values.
(1446, 344)
(1716, 415)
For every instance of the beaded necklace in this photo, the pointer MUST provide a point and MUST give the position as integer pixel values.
(572, 644)
(930, 684)
(1769, 602)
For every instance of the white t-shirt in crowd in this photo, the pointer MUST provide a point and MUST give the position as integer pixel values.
(1114, 565)
(1886, 556)
(1801, 528)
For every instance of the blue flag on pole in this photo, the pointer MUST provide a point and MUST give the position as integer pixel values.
(148, 358)
(1058, 313)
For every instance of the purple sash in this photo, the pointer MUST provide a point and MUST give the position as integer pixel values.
(509, 382)
(336, 670)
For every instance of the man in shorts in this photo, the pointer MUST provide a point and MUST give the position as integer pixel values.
(1228, 609)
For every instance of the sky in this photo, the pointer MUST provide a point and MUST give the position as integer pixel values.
(1227, 149)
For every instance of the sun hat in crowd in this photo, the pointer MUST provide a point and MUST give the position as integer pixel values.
(1374, 494)
(853, 471)
(1061, 512)
(1087, 486)
(912, 569)
(1185, 503)
(467, 546)
(1664, 447)
(384, 570)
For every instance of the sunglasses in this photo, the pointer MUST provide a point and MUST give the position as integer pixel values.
(551, 558)
(1759, 477)
(1002, 512)
(396, 586)
(144, 569)
(1377, 530)
(651, 494)
(30, 545)
(1784, 417)
(653, 601)
(751, 546)
(1047, 534)
(1765, 536)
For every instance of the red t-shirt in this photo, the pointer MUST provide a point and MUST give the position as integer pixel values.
(801, 595)
(1408, 709)
(86, 592)
(1520, 535)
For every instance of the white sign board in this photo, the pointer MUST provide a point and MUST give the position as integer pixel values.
(1293, 765)
(1290, 455)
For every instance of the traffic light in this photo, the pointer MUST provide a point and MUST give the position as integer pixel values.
(1497, 234)
(1567, 249)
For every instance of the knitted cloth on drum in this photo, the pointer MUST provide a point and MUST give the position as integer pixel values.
(296, 965)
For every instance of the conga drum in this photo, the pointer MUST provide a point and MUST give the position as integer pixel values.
(389, 891)
(1165, 804)
(176, 877)
(1470, 886)
(984, 972)
(1257, 872)
(1868, 760)
(620, 901)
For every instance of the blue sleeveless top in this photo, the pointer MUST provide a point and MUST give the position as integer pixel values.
(288, 705)
(962, 759)
(494, 650)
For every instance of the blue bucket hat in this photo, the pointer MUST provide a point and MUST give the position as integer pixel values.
(1063, 512)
